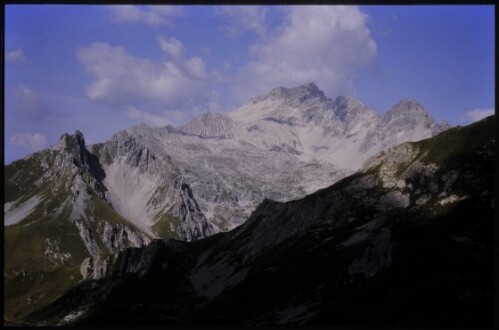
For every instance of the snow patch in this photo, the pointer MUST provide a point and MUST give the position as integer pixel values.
(13, 215)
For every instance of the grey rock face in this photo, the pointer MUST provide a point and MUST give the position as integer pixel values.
(194, 223)
(117, 237)
(406, 121)
(95, 267)
(209, 125)
(352, 112)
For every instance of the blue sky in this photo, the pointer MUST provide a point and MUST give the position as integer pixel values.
(100, 69)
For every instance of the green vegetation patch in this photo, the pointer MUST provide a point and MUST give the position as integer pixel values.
(20, 176)
(458, 143)
(30, 275)
(35, 289)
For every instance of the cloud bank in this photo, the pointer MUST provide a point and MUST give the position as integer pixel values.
(122, 80)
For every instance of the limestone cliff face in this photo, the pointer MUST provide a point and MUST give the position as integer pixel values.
(145, 185)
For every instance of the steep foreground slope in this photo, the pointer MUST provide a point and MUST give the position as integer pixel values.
(408, 240)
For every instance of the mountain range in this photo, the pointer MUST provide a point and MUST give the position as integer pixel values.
(284, 145)
(71, 209)
(406, 240)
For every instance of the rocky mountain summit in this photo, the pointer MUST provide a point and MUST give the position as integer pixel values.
(407, 240)
(302, 121)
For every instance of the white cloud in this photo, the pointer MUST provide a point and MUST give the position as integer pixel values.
(195, 67)
(27, 101)
(325, 44)
(122, 80)
(152, 15)
(475, 115)
(28, 140)
(171, 46)
(244, 18)
(15, 56)
(150, 119)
